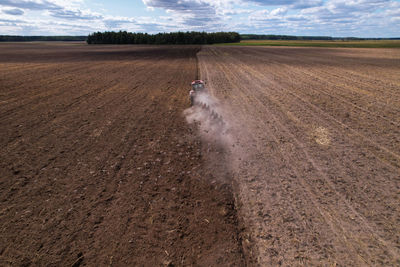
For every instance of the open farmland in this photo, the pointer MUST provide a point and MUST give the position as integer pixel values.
(316, 155)
(98, 166)
(318, 43)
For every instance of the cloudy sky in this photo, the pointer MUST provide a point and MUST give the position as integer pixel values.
(360, 18)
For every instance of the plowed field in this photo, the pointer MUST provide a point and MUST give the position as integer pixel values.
(97, 164)
(316, 151)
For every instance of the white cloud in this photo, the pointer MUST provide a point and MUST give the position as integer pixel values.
(75, 14)
(295, 4)
(13, 11)
(279, 11)
(300, 17)
(190, 13)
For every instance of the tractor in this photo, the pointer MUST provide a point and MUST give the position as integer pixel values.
(198, 86)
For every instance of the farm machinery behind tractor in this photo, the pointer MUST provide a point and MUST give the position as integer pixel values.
(200, 97)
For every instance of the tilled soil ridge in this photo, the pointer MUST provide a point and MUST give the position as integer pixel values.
(316, 157)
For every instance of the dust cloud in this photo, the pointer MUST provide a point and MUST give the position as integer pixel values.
(209, 116)
(215, 130)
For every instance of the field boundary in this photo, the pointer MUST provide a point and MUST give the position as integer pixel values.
(328, 44)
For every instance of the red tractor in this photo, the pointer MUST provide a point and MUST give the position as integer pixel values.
(198, 86)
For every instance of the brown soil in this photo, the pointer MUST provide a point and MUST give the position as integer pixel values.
(316, 155)
(98, 166)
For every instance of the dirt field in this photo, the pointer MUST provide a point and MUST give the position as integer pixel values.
(316, 151)
(98, 166)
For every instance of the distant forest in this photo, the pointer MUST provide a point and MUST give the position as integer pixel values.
(124, 37)
(15, 38)
(174, 38)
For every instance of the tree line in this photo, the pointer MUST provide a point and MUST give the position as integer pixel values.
(16, 38)
(180, 38)
(173, 38)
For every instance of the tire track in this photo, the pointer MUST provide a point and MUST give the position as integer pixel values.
(315, 195)
(320, 111)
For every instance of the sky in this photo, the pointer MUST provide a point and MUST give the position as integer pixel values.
(338, 18)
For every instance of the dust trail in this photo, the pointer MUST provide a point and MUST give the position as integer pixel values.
(213, 123)
(208, 114)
